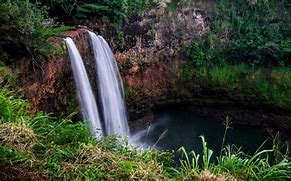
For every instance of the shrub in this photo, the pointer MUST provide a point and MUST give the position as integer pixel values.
(21, 22)
(115, 11)
(202, 52)
(139, 6)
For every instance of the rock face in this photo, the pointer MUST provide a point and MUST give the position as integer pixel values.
(151, 63)
(50, 87)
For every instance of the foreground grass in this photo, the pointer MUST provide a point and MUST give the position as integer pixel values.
(48, 148)
(233, 164)
(40, 147)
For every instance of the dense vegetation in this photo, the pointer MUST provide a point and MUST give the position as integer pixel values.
(27, 24)
(114, 11)
(21, 23)
(246, 52)
(252, 32)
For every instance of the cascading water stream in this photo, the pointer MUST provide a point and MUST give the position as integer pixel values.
(110, 88)
(85, 94)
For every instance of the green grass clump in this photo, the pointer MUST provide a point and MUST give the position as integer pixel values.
(233, 164)
(12, 108)
(226, 76)
(11, 156)
(256, 167)
(281, 78)
(6, 75)
(48, 32)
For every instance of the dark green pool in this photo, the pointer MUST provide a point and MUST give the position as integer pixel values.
(183, 128)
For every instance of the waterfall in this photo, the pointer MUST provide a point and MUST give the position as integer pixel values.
(85, 94)
(110, 88)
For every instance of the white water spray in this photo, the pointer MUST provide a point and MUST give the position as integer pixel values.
(110, 88)
(85, 94)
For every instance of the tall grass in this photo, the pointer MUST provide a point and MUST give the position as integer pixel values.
(12, 108)
(256, 167)
(228, 76)
(234, 164)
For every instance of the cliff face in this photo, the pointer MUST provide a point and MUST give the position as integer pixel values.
(50, 86)
(149, 59)
(151, 67)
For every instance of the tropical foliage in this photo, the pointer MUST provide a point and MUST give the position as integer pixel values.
(21, 23)
(114, 11)
(252, 32)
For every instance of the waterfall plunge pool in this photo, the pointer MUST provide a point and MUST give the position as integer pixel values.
(173, 129)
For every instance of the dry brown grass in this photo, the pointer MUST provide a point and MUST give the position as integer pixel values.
(14, 173)
(92, 157)
(208, 176)
(148, 171)
(17, 135)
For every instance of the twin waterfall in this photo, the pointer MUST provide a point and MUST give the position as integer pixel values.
(85, 94)
(109, 86)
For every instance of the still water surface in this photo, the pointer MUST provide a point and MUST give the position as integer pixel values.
(183, 128)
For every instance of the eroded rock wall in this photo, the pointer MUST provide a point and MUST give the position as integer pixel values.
(49, 84)
(151, 64)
